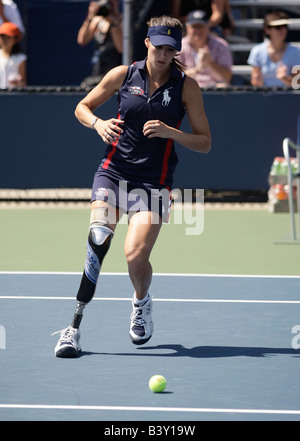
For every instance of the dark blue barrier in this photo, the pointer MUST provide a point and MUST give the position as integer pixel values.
(44, 146)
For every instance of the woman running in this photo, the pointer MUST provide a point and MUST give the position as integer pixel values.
(136, 173)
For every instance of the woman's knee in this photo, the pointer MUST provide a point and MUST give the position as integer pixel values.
(136, 257)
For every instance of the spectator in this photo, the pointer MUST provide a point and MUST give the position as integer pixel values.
(219, 12)
(207, 58)
(180, 9)
(272, 61)
(103, 24)
(9, 12)
(225, 24)
(12, 60)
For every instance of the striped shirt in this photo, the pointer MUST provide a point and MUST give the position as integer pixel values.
(219, 52)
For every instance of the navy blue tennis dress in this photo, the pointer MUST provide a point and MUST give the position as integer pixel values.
(136, 172)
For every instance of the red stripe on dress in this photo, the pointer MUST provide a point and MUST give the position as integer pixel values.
(111, 153)
(166, 159)
(109, 156)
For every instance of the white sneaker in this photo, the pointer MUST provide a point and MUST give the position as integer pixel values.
(141, 326)
(68, 345)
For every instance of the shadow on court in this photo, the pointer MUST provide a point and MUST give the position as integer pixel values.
(204, 352)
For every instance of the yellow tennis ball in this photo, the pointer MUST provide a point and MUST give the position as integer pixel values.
(157, 383)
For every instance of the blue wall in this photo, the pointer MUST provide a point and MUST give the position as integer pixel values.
(44, 146)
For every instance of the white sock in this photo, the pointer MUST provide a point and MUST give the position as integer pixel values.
(138, 302)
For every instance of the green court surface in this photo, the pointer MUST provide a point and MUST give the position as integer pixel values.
(233, 241)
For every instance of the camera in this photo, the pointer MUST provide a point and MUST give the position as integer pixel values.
(105, 8)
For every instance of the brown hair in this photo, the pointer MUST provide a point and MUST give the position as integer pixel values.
(165, 20)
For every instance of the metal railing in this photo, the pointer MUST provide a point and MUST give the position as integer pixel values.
(287, 143)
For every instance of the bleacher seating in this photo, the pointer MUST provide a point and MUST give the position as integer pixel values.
(248, 18)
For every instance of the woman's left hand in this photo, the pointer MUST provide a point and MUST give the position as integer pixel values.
(156, 128)
(282, 71)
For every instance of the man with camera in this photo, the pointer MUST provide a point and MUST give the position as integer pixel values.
(103, 24)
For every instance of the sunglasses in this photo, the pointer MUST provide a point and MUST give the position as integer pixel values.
(278, 27)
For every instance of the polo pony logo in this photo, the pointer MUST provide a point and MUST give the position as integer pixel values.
(166, 98)
(169, 31)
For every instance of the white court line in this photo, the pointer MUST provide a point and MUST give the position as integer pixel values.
(155, 274)
(113, 299)
(74, 273)
(149, 409)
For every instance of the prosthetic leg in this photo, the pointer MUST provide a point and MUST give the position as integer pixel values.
(98, 244)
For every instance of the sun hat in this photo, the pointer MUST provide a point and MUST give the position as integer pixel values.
(10, 29)
(165, 36)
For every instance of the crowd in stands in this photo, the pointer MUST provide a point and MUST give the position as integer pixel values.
(205, 54)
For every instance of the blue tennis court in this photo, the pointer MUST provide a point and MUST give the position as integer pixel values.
(227, 346)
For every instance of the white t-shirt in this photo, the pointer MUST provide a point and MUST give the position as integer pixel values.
(9, 67)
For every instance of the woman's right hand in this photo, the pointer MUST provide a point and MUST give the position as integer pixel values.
(109, 130)
(257, 78)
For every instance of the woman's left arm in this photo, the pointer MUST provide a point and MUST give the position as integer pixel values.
(200, 138)
(22, 72)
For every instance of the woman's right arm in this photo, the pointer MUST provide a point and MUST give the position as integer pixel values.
(109, 85)
(89, 26)
(257, 78)
(254, 60)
